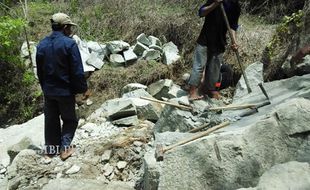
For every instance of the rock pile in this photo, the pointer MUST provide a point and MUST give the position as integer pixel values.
(118, 53)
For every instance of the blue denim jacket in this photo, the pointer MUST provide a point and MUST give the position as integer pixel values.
(59, 66)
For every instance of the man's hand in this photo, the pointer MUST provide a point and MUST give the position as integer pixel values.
(234, 47)
(86, 95)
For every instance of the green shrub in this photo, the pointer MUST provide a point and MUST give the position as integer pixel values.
(18, 91)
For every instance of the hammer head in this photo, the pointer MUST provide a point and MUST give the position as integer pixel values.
(159, 153)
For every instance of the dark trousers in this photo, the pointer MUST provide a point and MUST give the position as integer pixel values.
(59, 138)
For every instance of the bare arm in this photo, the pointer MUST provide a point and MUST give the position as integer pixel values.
(207, 9)
(234, 44)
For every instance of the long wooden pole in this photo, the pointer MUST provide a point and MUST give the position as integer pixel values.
(236, 51)
(168, 103)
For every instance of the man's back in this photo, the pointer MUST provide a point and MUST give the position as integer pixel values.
(60, 67)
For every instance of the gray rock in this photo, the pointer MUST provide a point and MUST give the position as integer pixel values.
(2, 171)
(89, 102)
(118, 108)
(151, 54)
(154, 41)
(174, 119)
(95, 60)
(290, 175)
(127, 121)
(97, 47)
(106, 155)
(74, 169)
(136, 94)
(160, 88)
(108, 169)
(152, 171)
(143, 40)
(176, 92)
(304, 66)
(90, 127)
(185, 77)
(25, 143)
(25, 54)
(117, 60)
(24, 49)
(117, 46)
(85, 184)
(133, 86)
(171, 53)
(121, 165)
(129, 55)
(138, 143)
(22, 163)
(245, 150)
(155, 47)
(139, 49)
(43, 181)
(4, 183)
(147, 110)
(254, 74)
(32, 129)
(85, 54)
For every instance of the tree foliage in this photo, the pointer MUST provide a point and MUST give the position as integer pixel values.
(17, 91)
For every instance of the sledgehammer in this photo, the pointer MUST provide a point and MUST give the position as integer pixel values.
(236, 51)
(160, 150)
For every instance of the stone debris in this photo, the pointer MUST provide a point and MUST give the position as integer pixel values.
(74, 169)
(2, 171)
(106, 155)
(121, 165)
(108, 169)
(89, 102)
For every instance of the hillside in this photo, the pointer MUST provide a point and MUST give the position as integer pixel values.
(139, 129)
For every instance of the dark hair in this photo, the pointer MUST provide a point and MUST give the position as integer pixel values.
(56, 26)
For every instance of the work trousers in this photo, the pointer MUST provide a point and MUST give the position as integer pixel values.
(57, 137)
(212, 70)
(211, 62)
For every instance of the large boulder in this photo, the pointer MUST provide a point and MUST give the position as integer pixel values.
(290, 175)
(236, 156)
(33, 129)
(175, 119)
(13, 150)
(254, 73)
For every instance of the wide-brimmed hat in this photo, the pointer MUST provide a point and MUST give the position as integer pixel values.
(62, 19)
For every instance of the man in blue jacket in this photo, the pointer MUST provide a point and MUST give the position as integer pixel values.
(61, 76)
(211, 45)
